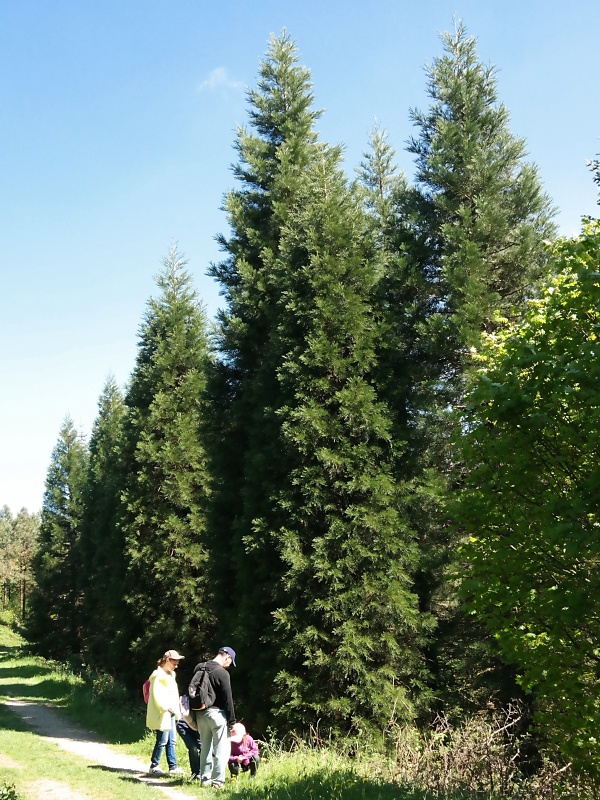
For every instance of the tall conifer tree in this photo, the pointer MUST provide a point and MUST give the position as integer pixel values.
(407, 361)
(474, 227)
(102, 546)
(272, 155)
(414, 354)
(166, 485)
(55, 619)
(348, 633)
(481, 208)
(297, 344)
(461, 250)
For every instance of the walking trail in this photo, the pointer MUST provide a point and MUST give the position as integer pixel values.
(51, 724)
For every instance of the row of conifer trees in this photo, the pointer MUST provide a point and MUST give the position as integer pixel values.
(278, 481)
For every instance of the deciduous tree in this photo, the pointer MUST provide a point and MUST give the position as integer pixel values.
(531, 439)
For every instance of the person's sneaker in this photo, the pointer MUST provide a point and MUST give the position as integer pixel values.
(216, 785)
(155, 771)
(176, 771)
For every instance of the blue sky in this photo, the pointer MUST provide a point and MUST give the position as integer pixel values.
(117, 122)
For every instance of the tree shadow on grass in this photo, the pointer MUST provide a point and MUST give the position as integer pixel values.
(47, 689)
(14, 681)
(12, 652)
(25, 671)
(133, 776)
(9, 721)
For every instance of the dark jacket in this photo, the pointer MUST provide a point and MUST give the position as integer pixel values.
(221, 683)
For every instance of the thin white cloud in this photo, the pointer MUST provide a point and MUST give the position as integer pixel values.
(219, 79)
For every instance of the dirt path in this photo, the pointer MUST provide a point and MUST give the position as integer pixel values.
(49, 723)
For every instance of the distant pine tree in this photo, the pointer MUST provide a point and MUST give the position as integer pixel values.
(102, 546)
(18, 543)
(53, 626)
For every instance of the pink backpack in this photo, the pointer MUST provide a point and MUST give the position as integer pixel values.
(146, 690)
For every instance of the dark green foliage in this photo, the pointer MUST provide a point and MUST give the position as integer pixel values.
(409, 359)
(102, 545)
(291, 498)
(530, 437)
(481, 209)
(316, 586)
(55, 619)
(9, 792)
(166, 480)
(595, 167)
(464, 250)
(348, 630)
(246, 459)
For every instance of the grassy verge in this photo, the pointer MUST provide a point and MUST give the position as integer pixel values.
(306, 774)
(475, 760)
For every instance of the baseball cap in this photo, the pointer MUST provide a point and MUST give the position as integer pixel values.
(238, 731)
(230, 652)
(173, 654)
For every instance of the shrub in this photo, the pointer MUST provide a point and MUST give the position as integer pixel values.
(488, 755)
(8, 792)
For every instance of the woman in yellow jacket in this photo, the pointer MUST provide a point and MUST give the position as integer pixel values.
(163, 711)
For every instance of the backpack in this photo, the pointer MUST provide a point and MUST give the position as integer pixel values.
(146, 690)
(201, 691)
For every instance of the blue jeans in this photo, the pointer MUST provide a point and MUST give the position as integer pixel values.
(214, 736)
(165, 738)
(191, 739)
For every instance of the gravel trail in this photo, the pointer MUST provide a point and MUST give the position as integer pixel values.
(48, 722)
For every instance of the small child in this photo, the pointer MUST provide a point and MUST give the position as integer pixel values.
(244, 752)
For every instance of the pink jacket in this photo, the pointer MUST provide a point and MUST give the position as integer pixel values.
(247, 748)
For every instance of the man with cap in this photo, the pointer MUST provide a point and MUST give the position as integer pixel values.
(215, 723)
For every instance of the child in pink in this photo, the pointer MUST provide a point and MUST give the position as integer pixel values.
(244, 752)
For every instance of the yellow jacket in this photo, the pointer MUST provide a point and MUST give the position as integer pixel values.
(163, 695)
